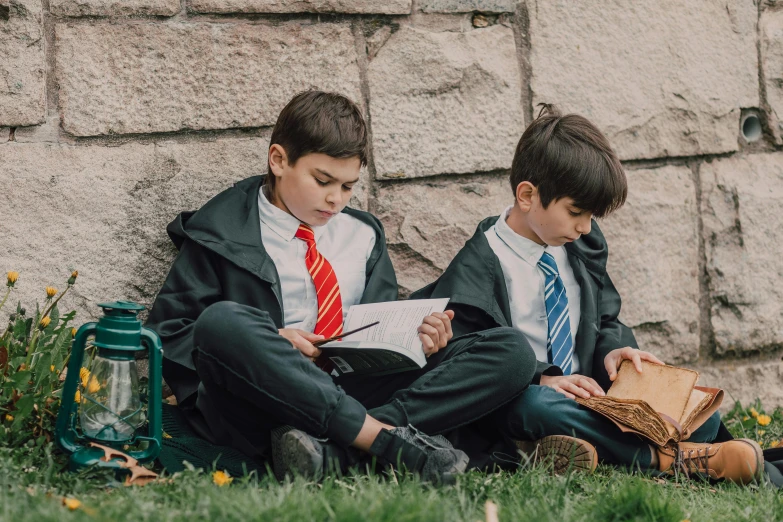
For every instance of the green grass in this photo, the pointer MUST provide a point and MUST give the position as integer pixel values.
(528, 495)
(33, 484)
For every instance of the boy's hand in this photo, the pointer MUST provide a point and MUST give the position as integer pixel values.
(435, 331)
(615, 357)
(302, 341)
(572, 385)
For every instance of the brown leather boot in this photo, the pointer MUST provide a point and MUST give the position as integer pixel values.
(739, 461)
(563, 452)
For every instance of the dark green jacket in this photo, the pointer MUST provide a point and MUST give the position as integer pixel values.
(222, 258)
(474, 281)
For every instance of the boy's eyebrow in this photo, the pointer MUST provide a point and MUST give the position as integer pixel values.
(323, 172)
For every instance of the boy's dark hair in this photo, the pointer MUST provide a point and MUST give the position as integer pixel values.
(567, 156)
(320, 122)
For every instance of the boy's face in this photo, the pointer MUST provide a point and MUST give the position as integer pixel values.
(314, 189)
(560, 223)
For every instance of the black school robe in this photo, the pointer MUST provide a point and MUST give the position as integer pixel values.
(222, 258)
(474, 281)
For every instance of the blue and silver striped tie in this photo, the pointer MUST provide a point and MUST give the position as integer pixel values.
(559, 344)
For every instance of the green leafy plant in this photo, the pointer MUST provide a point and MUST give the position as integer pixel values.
(34, 350)
(755, 423)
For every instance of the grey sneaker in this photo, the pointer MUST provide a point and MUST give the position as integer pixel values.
(434, 459)
(295, 452)
(416, 437)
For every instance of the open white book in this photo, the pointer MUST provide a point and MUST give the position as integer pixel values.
(391, 346)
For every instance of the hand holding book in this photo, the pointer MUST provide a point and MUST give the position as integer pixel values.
(302, 341)
(662, 403)
(615, 358)
(575, 385)
(435, 331)
(392, 345)
(572, 386)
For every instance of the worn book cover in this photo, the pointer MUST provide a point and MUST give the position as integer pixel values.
(662, 403)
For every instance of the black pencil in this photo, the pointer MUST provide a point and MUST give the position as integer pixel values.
(330, 339)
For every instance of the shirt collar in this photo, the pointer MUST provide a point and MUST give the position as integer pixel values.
(528, 250)
(281, 222)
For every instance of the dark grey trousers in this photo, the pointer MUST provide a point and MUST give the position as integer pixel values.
(252, 381)
(541, 411)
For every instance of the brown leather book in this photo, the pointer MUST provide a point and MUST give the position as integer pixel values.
(662, 403)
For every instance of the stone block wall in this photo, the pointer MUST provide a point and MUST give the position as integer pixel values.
(117, 115)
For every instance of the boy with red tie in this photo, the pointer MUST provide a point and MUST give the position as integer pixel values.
(274, 263)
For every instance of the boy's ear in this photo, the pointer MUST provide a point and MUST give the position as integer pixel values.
(524, 195)
(278, 160)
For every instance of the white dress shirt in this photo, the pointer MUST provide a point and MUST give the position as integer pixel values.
(344, 241)
(518, 258)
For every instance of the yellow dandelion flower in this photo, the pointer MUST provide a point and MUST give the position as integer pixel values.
(221, 478)
(9, 417)
(74, 275)
(51, 292)
(71, 503)
(73, 332)
(77, 397)
(94, 385)
(84, 375)
(753, 413)
(51, 368)
(774, 444)
(745, 418)
(763, 420)
(12, 277)
(44, 322)
(760, 432)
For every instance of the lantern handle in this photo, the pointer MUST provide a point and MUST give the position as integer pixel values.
(154, 397)
(65, 435)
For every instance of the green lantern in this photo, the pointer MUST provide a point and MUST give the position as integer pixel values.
(110, 411)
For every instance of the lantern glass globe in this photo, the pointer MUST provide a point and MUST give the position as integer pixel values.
(110, 408)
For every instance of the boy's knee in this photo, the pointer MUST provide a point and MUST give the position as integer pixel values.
(224, 323)
(526, 415)
(531, 402)
(541, 411)
(516, 359)
(212, 322)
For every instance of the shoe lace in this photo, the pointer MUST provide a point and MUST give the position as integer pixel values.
(504, 459)
(423, 438)
(693, 460)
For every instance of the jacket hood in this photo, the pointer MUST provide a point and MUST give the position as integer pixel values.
(229, 225)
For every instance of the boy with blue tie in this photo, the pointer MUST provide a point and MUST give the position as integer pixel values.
(541, 267)
(270, 266)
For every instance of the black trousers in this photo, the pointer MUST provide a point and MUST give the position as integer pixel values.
(252, 381)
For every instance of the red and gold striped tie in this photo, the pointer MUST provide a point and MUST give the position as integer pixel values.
(327, 290)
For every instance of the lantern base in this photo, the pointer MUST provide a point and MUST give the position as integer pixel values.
(88, 457)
